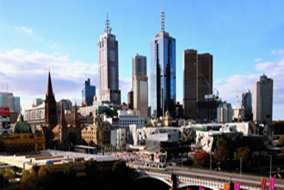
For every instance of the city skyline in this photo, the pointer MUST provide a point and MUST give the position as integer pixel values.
(244, 38)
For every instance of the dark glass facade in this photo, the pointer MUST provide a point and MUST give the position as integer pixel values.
(88, 93)
(163, 74)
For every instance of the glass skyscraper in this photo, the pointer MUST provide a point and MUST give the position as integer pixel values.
(163, 73)
(88, 93)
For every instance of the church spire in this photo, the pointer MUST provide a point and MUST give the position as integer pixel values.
(62, 115)
(75, 117)
(49, 86)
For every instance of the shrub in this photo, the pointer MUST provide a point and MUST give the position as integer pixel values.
(29, 180)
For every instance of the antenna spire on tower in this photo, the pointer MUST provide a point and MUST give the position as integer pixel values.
(107, 24)
(162, 17)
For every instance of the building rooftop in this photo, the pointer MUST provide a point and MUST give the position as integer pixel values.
(56, 156)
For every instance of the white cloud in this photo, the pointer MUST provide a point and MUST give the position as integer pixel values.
(27, 72)
(280, 52)
(258, 59)
(125, 84)
(24, 29)
(264, 66)
(274, 70)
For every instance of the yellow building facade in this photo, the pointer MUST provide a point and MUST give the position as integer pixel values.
(22, 139)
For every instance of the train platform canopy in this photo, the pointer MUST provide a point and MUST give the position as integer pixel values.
(51, 156)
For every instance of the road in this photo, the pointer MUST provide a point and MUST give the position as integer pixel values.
(220, 176)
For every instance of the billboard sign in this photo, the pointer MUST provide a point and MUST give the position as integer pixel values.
(4, 111)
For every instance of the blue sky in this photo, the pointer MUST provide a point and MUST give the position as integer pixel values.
(246, 39)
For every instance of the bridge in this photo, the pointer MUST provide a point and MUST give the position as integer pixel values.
(194, 177)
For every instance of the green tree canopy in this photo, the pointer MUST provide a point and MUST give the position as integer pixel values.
(281, 141)
(46, 175)
(244, 153)
(119, 166)
(29, 180)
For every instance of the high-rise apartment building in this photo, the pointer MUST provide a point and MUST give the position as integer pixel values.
(263, 100)
(163, 73)
(108, 67)
(8, 100)
(197, 79)
(140, 84)
(247, 104)
(88, 93)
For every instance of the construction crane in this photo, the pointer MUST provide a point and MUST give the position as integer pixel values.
(217, 96)
(237, 94)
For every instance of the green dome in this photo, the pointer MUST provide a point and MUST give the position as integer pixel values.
(5, 134)
(38, 133)
(21, 126)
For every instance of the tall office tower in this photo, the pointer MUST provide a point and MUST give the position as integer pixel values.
(163, 73)
(108, 67)
(12, 102)
(140, 84)
(197, 79)
(67, 104)
(263, 100)
(88, 93)
(247, 104)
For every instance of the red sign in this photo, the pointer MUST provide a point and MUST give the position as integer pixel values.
(4, 111)
(263, 184)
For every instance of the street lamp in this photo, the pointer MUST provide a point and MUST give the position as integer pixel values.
(210, 161)
(241, 167)
(270, 164)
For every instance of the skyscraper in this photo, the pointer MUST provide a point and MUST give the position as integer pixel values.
(163, 73)
(108, 66)
(247, 104)
(197, 79)
(140, 84)
(88, 93)
(263, 100)
(12, 102)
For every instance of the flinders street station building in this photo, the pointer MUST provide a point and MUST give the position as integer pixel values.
(21, 139)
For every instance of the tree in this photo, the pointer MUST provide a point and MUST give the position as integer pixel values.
(221, 155)
(119, 171)
(29, 180)
(282, 151)
(119, 166)
(69, 172)
(281, 141)
(224, 142)
(200, 158)
(7, 176)
(35, 168)
(244, 153)
(91, 168)
(46, 176)
(69, 175)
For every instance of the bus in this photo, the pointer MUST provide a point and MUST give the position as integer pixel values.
(85, 149)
